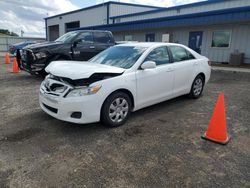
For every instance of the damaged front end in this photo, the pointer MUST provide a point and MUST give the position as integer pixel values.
(85, 81)
(56, 86)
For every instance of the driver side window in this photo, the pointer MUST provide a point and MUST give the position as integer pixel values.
(85, 37)
(159, 55)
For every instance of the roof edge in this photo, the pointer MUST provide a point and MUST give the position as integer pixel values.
(208, 13)
(99, 5)
(205, 2)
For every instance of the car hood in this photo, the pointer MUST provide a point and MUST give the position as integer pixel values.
(79, 70)
(42, 45)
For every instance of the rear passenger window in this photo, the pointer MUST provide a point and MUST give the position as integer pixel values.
(102, 37)
(159, 55)
(180, 54)
(190, 56)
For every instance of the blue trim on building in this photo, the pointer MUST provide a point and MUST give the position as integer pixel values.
(99, 5)
(204, 18)
(170, 8)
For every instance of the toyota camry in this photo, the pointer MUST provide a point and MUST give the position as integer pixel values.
(121, 80)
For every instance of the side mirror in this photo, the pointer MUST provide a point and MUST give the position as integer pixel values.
(148, 65)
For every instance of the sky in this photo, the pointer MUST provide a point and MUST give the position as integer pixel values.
(28, 15)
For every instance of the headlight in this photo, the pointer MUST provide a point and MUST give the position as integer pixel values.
(78, 92)
(40, 55)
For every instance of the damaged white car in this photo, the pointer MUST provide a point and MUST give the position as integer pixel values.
(122, 79)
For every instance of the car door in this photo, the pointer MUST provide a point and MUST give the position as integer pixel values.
(83, 48)
(184, 64)
(155, 85)
(102, 41)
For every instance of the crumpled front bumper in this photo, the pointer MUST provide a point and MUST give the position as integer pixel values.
(63, 108)
(28, 62)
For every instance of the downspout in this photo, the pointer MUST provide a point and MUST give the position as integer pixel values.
(46, 31)
(108, 13)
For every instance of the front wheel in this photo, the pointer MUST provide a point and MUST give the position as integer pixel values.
(116, 109)
(197, 87)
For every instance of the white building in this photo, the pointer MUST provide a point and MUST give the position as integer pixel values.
(214, 28)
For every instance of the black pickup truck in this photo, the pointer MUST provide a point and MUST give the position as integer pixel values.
(75, 45)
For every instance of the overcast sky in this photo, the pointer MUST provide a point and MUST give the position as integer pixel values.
(28, 15)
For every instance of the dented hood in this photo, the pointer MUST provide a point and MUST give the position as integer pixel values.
(78, 69)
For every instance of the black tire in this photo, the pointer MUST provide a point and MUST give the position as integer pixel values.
(107, 110)
(197, 87)
(42, 73)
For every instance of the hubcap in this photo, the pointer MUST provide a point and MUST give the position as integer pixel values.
(197, 87)
(118, 110)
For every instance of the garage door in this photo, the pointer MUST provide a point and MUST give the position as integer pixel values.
(53, 32)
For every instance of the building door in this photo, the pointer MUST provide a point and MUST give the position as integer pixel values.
(53, 32)
(150, 37)
(195, 40)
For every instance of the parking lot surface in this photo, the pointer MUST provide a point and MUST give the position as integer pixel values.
(160, 146)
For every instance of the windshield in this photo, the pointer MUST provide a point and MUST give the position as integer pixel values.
(67, 37)
(119, 56)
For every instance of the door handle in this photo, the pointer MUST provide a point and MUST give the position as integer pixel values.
(92, 47)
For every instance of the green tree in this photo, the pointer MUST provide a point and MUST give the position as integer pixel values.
(7, 32)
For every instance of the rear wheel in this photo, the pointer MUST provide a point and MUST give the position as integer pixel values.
(197, 87)
(116, 109)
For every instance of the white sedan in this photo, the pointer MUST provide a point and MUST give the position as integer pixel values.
(120, 80)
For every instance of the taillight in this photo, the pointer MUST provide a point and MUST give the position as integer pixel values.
(209, 62)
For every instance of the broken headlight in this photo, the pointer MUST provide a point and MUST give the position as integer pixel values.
(82, 91)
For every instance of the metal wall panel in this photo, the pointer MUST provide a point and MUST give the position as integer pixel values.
(90, 17)
(93, 16)
(117, 10)
(189, 10)
(240, 39)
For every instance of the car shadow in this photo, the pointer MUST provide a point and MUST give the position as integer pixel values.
(47, 124)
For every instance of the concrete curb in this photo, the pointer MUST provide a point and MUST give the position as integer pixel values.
(230, 69)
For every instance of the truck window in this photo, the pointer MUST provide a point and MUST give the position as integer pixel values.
(85, 37)
(102, 37)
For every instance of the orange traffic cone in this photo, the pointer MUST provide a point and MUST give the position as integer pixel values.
(217, 129)
(15, 66)
(7, 58)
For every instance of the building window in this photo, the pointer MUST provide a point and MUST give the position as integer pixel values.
(221, 39)
(150, 37)
(128, 37)
(166, 37)
(70, 26)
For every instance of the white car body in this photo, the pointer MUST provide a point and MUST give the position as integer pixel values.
(146, 87)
